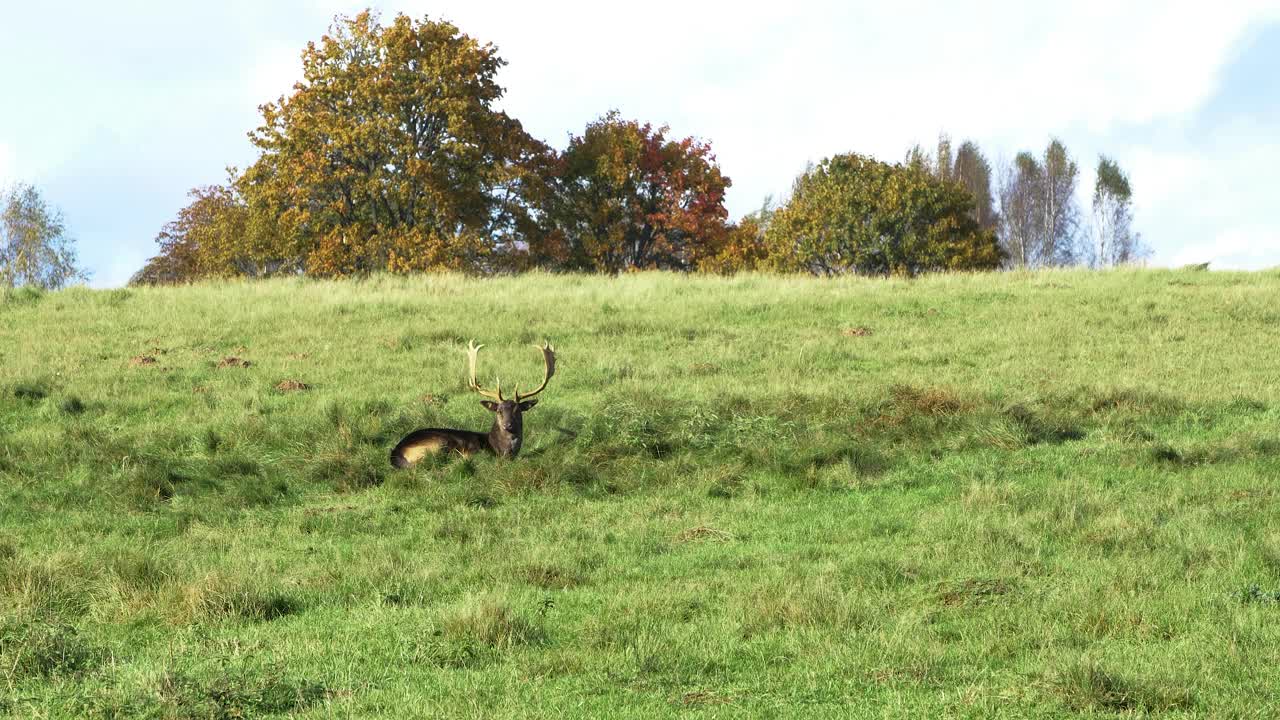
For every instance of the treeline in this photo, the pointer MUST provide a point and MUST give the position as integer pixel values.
(1031, 204)
(390, 155)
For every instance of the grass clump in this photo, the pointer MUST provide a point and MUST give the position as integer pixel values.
(219, 598)
(36, 649)
(1086, 686)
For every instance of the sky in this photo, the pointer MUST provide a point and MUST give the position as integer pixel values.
(116, 110)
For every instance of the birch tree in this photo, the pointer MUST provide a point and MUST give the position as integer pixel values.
(35, 247)
(1114, 240)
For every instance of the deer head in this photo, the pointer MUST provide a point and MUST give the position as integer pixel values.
(507, 433)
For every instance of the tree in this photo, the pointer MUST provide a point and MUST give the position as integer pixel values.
(216, 235)
(628, 198)
(972, 170)
(745, 248)
(390, 155)
(966, 166)
(1021, 190)
(1040, 218)
(1114, 241)
(855, 214)
(1061, 214)
(35, 248)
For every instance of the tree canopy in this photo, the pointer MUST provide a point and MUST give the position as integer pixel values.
(629, 198)
(35, 246)
(1114, 240)
(855, 214)
(390, 154)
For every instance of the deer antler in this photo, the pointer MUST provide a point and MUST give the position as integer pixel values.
(472, 350)
(548, 357)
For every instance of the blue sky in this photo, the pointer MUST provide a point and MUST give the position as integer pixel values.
(115, 110)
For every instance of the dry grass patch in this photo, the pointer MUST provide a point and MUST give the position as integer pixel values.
(550, 577)
(491, 623)
(696, 698)
(972, 591)
(218, 597)
(702, 533)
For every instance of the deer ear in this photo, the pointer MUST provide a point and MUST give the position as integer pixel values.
(489, 405)
(527, 405)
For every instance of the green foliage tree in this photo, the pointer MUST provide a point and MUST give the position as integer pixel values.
(855, 214)
(628, 198)
(390, 154)
(35, 248)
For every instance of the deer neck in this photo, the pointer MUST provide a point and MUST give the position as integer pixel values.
(505, 444)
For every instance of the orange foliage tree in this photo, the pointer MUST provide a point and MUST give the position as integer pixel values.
(745, 247)
(390, 155)
(216, 235)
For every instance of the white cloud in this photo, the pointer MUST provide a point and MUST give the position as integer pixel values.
(771, 85)
(775, 85)
(1244, 248)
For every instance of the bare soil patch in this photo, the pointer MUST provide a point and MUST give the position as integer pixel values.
(291, 386)
(143, 361)
(856, 332)
(233, 362)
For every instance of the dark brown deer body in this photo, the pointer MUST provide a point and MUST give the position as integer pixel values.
(503, 439)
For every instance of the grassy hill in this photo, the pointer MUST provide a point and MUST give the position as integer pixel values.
(972, 496)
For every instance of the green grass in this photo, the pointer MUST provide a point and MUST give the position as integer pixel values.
(965, 496)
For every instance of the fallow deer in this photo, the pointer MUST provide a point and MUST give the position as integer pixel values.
(503, 439)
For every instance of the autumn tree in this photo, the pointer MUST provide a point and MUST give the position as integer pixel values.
(1114, 241)
(35, 247)
(855, 214)
(627, 197)
(217, 235)
(745, 247)
(391, 155)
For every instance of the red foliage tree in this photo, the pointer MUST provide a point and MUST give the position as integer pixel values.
(627, 198)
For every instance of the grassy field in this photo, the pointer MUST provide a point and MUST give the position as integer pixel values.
(1013, 495)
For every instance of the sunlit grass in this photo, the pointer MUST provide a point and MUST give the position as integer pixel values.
(1014, 494)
